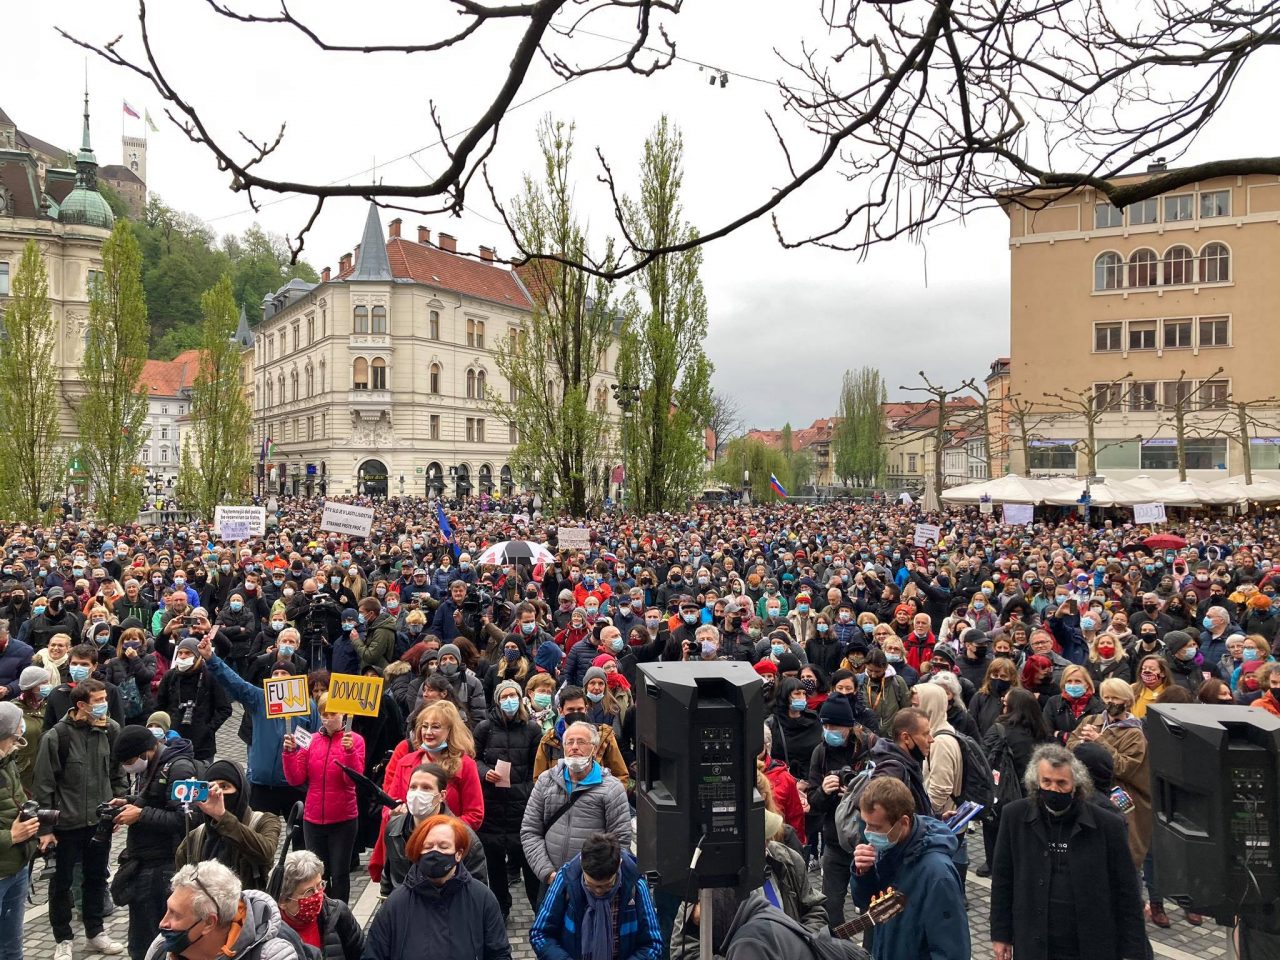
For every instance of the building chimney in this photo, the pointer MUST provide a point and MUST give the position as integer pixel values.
(1157, 166)
(448, 244)
(355, 257)
(324, 275)
(344, 263)
(424, 235)
(393, 229)
(486, 254)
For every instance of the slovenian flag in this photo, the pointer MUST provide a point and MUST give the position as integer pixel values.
(150, 123)
(129, 111)
(778, 488)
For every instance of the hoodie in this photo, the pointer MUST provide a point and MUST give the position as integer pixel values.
(944, 768)
(892, 761)
(162, 824)
(263, 937)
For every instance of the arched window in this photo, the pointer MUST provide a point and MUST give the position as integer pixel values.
(471, 384)
(379, 319)
(433, 324)
(480, 385)
(293, 385)
(1143, 266)
(379, 374)
(1108, 271)
(271, 392)
(435, 378)
(1179, 263)
(311, 381)
(601, 398)
(360, 374)
(322, 376)
(280, 384)
(1215, 263)
(360, 323)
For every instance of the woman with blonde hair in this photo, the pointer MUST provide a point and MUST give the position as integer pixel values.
(442, 738)
(1108, 660)
(895, 651)
(1074, 701)
(539, 691)
(988, 702)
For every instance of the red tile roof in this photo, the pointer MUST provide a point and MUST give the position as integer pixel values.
(167, 378)
(429, 265)
(819, 431)
(926, 417)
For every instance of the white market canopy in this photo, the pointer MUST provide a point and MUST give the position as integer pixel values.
(1066, 491)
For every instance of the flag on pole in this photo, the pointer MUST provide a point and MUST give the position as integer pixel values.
(150, 123)
(268, 449)
(446, 531)
(778, 488)
(129, 111)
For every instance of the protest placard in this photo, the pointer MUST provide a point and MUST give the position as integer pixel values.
(350, 693)
(926, 534)
(573, 538)
(1018, 513)
(286, 696)
(1148, 513)
(346, 518)
(247, 520)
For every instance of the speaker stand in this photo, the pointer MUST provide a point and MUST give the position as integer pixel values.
(705, 951)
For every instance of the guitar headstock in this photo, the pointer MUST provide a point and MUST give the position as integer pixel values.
(886, 905)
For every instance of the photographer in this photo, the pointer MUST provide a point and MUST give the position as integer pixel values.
(318, 618)
(377, 647)
(196, 705)
(235, 835)
(156, 826)
(18, 828)
(449, 615)
(77, 776)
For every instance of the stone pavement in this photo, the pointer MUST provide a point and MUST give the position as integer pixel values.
(1181, 942)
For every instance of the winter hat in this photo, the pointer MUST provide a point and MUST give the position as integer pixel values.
(31, 677)
(503, 687)
(160, 719)
(450, 648)
(836, 712)
(904, 608)
(231, 772)
(788, 663)
(766, 668)
(190, 644)
(11, 719)
(132, 742)
(350, 615)
(1097, 760)
(943, 652)
(1175, 640)
(548, 657)
(595, 673)
(975, 636)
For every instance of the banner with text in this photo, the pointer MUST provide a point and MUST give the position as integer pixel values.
(286, 696)
(239, 523)
(926, 534)
(350, 693)
(1148, 513)
(1018, 513)
(346, 518)
(573, 538)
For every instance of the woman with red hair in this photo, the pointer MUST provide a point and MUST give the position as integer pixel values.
(1037, 677)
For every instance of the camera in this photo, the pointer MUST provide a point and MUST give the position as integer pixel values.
(31, 811)
(847, 775)
(316, 622)
(106, 813)
(475, 600)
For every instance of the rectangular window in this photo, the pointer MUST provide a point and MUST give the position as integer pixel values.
(164, 454)
(471, 430)
(164, 409)
(1213, 395)
(1182, 207)
(1053, 456)
(1215, 203)
(1177, 334)
(1107, 396)
(1105, 215)
(1107, 337)
(146, 454)
(435, 426)
(1118, 456)
(1144, 211)
(1215, 332)
(479, 429)
(1201, 454)
(1176, 393)
(91, 280)
(295, 338)
(911, 463)
(513, 435)
(311, 330)
(4, 278)
(1142, 335)
(1142, 395)
(164, 433)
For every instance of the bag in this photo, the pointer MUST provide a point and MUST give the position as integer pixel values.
(122, 882)
(1008, 787)
(555, 817)
(977, 784)
(130, 698)
(848, 816)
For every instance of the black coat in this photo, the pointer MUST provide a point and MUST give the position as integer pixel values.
(516, 741)
(210, 710)
(1108, 904)
(985, 708)
(162, 825)
(340, 934)
(461, 920)
(1060, 719)
(794, 740)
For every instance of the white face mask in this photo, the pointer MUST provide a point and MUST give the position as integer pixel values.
(134, 767)
(183, 665)
(421, 802)
(577, 764)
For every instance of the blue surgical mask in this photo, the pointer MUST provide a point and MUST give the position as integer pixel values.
(823, 627)
(689, 617)
(1207, 622)
(798, 705)
(360, 617)
(1074, 690)
(528, 629)
(236, 606)
(277, 625)
(1087, 623)
(286, 651)
(99, 710)
(802, 608)
(834, 738)
(868, 628)
(880, 841)
(616, 644)
(510, 705)
(595, 697)
(710, 648)
(777, 649)
(349, 625)
(45, 690)
(79, 673)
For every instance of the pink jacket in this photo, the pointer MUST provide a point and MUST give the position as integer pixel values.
(331, 796)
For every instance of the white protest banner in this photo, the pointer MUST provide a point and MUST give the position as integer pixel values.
(252, 519)
(1018, 513)
(986, 507)
(926, 533)
(346, 518)
(573, 538)
(234, 531)
(1148, 513)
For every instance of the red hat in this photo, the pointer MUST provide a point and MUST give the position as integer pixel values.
(903, 608)
(767, 668)
(604, 658)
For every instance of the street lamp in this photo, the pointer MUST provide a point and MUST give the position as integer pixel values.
(626, 396)
(746, 486)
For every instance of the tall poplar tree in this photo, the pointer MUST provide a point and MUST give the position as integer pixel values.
(32, 467)
(859, 439)
(664, 445)
(112, 412)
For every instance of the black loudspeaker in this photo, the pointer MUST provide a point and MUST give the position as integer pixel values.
(699, 729)
(1214, 779)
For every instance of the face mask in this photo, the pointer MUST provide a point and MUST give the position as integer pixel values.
(288, 593)
(511, 655)
(868, 628)
(802, 608)
(710, 648)
(651, 623)
(79, 673)
(286, 650)
(616, 644)
(528, 629)
(179, 583)
(1188, 652)
(236, 606)
(921, 633)
(637, 605)
(798, 705)
(1250, 653)
(38, 611)
(1207, 623)
(689, 618)
(510, 705)
(774, 612)
(577, 764)
(278, 581)
(1074, 690)
(176, 941)
(880, 841)
(1115, 709)
(1106, 650)
(542, 700)
(979, 604)
(448, 669)
(157, 732)
(834, 738)
(421, 802)
(595, 697)
(778, 649)
(999, 687)
(1087, 623)
(99, 710)
(1056, 803)
(1148, 638)
(845, 616)
(134, 767)
(436, 864)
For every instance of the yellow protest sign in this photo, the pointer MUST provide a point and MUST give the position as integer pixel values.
(286, 696)
(349, 693)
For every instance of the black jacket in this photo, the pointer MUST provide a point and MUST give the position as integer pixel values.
(827, 760)
(340, 935)
(210, 707)
(892, 761)
(461, 920)
(959, 718)
(1104, 885)
(1061, 720)
(516, 741)
(47, 624)
(163, 824)
(794, 740)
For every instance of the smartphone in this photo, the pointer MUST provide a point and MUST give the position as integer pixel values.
(189, 791)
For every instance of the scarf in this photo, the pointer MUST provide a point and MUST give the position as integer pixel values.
(597, 924)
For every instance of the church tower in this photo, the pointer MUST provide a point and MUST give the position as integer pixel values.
(135, 156)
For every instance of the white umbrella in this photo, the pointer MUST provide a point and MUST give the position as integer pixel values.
(510, 551)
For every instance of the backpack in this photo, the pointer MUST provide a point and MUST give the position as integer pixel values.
(976, 781)
(1004, 775)
(848, 816)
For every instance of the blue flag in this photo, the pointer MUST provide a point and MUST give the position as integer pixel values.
(446, 531)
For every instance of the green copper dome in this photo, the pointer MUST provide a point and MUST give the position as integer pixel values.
(84, 204)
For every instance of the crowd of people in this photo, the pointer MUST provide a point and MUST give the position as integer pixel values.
(1007, 666)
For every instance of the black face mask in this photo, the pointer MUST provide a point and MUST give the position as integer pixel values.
(917, 754)
(1057, 804)
(1148, 638)
(436, 864)
(576, 716)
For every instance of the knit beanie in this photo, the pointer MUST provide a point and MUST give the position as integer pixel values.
(160, 719)
(132, 742)
(595, 673)
(32, 677)
(10, 719)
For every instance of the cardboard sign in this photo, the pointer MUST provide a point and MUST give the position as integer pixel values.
(926, 533)
(347, 518)
(349, 693)
(987, 508)
(1148, 513)
(286, 696)
(1018, 513)
(250, 520)
(574, 538)
(302, 737)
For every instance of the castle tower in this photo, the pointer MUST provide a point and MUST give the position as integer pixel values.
(134, 151)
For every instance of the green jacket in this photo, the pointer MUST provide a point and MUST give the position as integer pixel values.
(12, 857)
(378, 644)
(26, 757)
(91, 775)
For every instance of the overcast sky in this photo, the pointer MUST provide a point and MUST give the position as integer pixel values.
(784, 324)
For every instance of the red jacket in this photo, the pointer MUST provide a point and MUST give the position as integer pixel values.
(602, 592)
(787, 795)
(919, 651)
(331, 794)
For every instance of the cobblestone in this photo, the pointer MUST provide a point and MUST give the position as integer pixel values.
(1181, 942)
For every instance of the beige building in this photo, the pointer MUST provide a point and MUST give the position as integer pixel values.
(1166, 305)
(373, 380)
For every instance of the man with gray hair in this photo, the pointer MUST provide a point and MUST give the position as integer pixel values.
(209, 917)
(1213, 640)
(1062, 885)
(570, 801)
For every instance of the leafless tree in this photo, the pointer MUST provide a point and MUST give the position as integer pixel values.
(726, 419)
(1090, 405)
(1183, 397)
(924, 110)
(1027, 421)
(942, 403)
